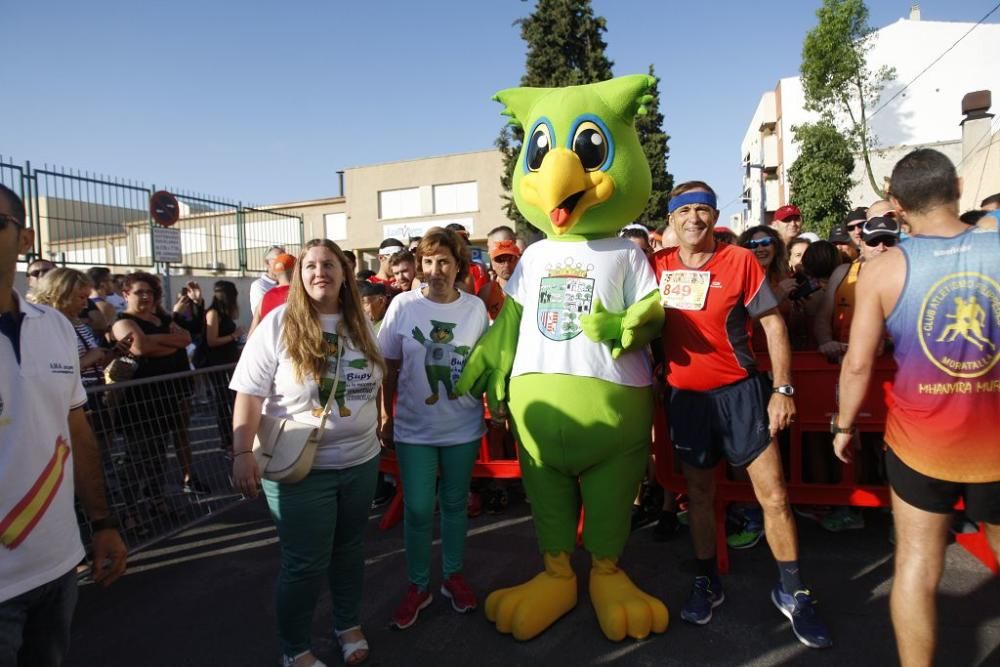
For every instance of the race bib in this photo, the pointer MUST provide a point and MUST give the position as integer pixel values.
(684, 290)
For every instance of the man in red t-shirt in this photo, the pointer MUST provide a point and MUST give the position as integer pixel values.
(282, 266)
(719, 406)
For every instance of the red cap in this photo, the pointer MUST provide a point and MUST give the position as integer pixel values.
(787, 211)
(505, 247)
(283, 262)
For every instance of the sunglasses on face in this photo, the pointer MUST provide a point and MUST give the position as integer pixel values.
(887, 241)
(6, 219)
(857, 225)
(38, 273)
(758, 243)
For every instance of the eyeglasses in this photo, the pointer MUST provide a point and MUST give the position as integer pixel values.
(7, 219)
(753, 244)
(887, 241)
(38, 273)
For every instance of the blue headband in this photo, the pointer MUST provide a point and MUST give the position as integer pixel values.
(697, 197)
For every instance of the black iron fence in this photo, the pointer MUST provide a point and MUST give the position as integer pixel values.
(83, 219)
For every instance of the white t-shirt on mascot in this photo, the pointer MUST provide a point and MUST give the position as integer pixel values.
(266, 370)
(556, 282)
(434, 341)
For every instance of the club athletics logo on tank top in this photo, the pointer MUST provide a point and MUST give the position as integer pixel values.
(959, 324)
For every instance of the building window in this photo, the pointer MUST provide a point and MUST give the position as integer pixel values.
(456, 198)
(335, 226)
(398, 203)
(194, 240)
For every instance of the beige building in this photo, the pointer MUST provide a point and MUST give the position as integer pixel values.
(404, 199)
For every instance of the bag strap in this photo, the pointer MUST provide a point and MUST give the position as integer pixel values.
(336, 382)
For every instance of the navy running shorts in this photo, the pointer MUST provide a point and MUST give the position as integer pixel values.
(982, 501)
(729, 422)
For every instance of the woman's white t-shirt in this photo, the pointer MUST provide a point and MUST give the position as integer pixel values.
(433, 340)
(266, 370)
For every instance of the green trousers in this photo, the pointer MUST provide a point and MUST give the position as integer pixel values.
(321, 523)
(418, 470)
(581, 438)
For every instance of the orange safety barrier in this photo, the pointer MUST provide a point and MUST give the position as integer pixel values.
(815, 388)
(485, 467)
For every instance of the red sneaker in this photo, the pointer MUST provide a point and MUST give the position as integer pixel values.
(475, 505)
(406, 613)
(462, 598)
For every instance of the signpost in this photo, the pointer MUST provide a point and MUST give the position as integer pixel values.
(165, 210)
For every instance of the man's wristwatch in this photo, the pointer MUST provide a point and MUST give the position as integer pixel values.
(784, 390)
(835, 428)
(109, 522)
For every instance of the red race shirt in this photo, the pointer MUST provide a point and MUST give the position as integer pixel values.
(273, 298)
(709, 348)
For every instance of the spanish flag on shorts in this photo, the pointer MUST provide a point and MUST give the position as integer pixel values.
(25, 515)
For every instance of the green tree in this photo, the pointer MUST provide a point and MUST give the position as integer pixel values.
(820, 177)
(838, 82)
(565, 48)
(654, 145)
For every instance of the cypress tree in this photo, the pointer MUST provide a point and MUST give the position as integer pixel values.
(654, 145)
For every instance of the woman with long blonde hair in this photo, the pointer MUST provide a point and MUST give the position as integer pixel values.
(287, 370)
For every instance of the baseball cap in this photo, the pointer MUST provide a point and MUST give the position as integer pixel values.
(839, 236)
(787, 211)
(812, 237)
(879, 226)
(283, 262)
(860, 213)
(505, 247)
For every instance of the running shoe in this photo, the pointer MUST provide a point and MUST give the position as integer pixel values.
(706, 595)
(746, 538)
(456, 589)
(843, 518)
(408, 610)
(800, 608)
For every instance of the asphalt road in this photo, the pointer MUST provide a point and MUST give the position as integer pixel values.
(205, 598)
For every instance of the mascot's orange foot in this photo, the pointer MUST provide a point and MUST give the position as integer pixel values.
(527, 610)
(622, 609)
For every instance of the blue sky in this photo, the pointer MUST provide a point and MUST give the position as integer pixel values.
(265, 101)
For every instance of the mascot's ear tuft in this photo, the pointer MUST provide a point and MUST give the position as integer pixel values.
(518, 102)
(628, 96)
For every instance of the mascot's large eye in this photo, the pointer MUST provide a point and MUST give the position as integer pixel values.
(538, 147)
(590, 145)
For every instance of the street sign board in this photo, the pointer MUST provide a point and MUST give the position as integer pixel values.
(167, 244)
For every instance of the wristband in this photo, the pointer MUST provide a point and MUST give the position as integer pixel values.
(249, 451)
(109, 522)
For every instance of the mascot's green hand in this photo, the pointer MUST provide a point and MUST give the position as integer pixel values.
(643, 321)
(602, 324)
(492, 359)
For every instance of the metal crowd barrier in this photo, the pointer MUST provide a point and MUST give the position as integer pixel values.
(152, 433)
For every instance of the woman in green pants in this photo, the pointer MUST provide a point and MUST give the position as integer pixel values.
(426, 337)
(319, 339)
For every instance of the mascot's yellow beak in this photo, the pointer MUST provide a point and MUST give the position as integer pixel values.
(564, 190)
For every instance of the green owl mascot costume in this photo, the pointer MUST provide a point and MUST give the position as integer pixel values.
(567, 355)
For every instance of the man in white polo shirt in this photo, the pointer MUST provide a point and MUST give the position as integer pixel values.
(42, 456)
(267, 281)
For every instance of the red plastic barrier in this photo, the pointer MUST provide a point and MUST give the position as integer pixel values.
(485, 467)
(816, 381)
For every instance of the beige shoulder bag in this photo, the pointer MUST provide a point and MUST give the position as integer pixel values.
(285, 448)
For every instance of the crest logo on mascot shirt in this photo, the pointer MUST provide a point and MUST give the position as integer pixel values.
(959, 324)
(563, 296)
